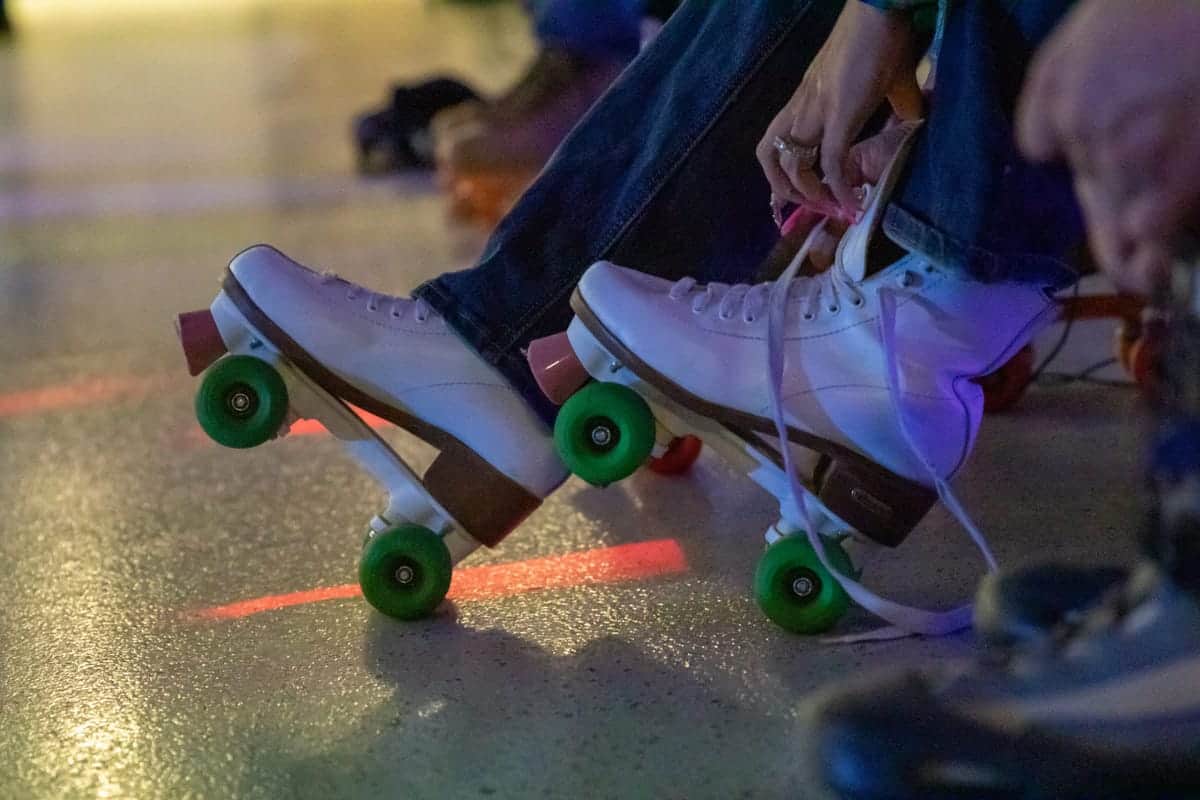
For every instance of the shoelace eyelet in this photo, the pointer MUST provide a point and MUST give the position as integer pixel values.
(857, 302)
(834, 309)
(809, 316)
(749, 320)
(908, 280)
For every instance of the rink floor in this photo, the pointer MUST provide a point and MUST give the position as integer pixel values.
(177, 619)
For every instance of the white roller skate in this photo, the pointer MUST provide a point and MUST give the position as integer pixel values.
(866, 376)
(282, 342)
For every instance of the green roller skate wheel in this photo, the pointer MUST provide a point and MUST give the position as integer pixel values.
(795, 590)
(405, 572)
(604, 432)
(242, 402)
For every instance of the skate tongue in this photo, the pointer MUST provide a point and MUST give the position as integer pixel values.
(853, 250)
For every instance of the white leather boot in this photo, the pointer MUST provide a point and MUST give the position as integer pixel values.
(867, 372)
(396, 358)
(707, 345)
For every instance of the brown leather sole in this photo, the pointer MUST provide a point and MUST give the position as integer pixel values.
(875, 501)
(482, 499)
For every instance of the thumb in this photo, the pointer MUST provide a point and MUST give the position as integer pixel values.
(869, 159)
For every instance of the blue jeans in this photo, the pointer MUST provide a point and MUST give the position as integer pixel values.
(661, 173)
(596, 28)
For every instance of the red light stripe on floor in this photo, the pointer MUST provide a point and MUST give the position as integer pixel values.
(103, 390)
(72, 395)
(624, 562)
(195, 437)
(312, 427)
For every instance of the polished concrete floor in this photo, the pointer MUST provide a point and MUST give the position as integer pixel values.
(140, 149)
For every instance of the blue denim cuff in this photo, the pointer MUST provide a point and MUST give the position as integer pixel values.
(900, 5)
(972, 261)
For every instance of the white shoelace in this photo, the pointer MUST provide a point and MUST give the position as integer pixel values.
(376, 300)
(905, 620)
(819, 293)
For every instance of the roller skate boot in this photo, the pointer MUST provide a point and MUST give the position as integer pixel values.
(282, 342)
(847, 395)
(488, 157)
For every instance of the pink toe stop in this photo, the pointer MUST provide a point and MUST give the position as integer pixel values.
(556, 368)
(202, 342)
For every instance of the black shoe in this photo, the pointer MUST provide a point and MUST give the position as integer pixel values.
(1026, 605)
(397, 137)
(1107, 709)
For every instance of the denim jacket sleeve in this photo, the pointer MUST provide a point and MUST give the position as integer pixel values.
(901, 5)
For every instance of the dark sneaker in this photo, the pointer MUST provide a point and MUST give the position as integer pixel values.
(1027, 605)
(1109, 707)
(520, 130)
(397, 136)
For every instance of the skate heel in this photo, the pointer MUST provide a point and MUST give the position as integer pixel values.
(879, 504)
(200, 338)
(485, 502)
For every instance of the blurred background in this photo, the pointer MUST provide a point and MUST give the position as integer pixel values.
(157, 139)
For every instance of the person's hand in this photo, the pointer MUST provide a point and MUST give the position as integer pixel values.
(866, 163)
(869, 55)
(1116, 92)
